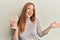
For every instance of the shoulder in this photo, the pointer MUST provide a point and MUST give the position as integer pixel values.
(36, 20)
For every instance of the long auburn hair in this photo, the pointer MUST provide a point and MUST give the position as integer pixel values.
(22, 18)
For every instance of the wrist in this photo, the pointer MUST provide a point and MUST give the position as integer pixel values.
(50, 27)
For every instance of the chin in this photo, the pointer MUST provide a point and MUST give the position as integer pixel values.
(29, 16)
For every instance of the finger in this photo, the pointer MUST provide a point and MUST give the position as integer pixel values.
(55, 22)
(12, 24)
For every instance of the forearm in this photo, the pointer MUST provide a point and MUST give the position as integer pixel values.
(47, 30)
(15, 35)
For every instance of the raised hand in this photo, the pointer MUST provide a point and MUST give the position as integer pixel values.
(55, 25)
(14, 20)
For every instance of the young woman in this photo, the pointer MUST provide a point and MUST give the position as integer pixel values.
(28, 26)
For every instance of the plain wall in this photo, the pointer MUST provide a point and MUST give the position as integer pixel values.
(47, 11)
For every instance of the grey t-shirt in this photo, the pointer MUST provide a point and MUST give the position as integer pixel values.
(32, 30)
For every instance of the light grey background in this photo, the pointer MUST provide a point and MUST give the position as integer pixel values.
(47, 11)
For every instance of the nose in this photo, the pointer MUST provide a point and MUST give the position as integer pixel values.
(30, 10)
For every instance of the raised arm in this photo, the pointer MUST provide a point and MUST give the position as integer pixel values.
(53, 25)
(44, 32)
(13, 26)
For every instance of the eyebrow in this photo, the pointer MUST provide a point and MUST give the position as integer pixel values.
(33, 8)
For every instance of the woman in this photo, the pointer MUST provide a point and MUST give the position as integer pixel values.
(28, 26)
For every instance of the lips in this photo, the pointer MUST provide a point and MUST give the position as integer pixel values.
(29, 13)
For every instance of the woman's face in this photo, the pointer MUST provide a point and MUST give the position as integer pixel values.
(29, 12)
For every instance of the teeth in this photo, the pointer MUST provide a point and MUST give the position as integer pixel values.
(29, 13)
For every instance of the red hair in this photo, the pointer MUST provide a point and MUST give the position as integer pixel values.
(22, 18)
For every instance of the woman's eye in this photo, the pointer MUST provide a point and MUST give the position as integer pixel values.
(28, 8)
